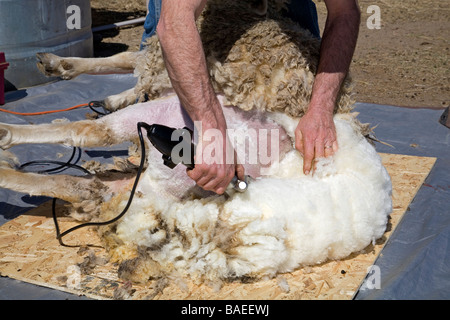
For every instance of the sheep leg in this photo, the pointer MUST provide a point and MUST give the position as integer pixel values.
(69, 67)
(114, 128)
(85, 194)
(121, 100)
(75, 188)
(85, 133)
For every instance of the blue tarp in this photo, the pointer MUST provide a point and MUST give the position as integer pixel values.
(415, 262)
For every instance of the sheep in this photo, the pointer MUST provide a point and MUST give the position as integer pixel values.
(284, 221)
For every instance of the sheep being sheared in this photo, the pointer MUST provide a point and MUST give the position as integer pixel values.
(285, 220)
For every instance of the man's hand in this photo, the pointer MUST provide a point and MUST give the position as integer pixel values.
(186, 65)
(215, 163)
(315, 137)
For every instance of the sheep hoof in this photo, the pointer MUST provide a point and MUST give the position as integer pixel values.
(54, 66)
(115, 102)
(5, 138)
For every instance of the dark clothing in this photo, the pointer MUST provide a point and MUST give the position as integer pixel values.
(302, 11)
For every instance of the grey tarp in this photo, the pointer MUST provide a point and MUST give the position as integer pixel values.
(415, 263)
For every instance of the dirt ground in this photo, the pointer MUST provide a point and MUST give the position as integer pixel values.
(404, 63)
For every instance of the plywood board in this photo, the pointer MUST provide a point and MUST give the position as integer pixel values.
(29, 252)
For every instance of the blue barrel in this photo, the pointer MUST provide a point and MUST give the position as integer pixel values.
(62, 27)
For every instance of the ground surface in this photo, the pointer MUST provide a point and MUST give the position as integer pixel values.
(404, 63)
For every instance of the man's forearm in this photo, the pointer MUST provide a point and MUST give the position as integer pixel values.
(337, 48)
(186, 64)
(315, 135)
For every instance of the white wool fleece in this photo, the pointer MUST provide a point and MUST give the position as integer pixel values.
(283, 221)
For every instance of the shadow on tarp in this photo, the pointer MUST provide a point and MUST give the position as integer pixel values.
(10, 211)
(106, 154)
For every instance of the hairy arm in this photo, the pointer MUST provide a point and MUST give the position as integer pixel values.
(186, 64)
(316, 133)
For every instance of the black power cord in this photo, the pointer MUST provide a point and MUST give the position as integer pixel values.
(97, 104)
(62, 165)
(60, 235)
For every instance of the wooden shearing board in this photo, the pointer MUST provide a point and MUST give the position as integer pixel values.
(29, 252)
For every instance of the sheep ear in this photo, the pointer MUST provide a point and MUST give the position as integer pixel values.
(259, 7)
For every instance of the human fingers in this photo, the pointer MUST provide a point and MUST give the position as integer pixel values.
(319, 148)
(240, 171)
(299, 141)
(202, 174)
(220, 181)
(212, 177)
(330, 148)
(308, 157)
(306, 149)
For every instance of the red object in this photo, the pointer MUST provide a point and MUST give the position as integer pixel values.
(3, 66)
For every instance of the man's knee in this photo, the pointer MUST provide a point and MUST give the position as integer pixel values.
(304, 12)
(151, 20)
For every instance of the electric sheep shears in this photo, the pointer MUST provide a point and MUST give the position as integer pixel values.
(167, 140)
